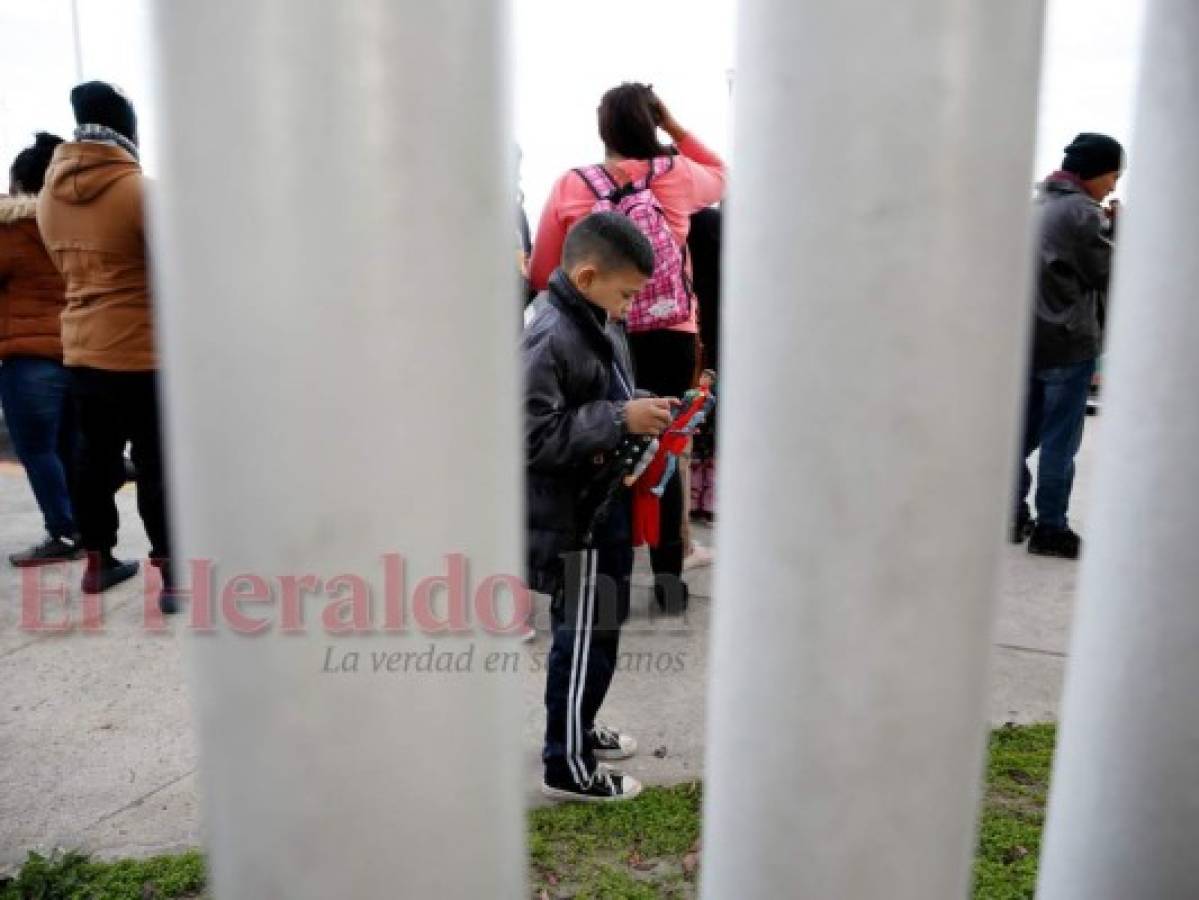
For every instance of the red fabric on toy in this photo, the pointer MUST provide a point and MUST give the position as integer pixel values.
(646, 512)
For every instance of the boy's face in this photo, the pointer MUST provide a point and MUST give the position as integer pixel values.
(612, 290)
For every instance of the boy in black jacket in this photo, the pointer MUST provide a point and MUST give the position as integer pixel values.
(579, 406)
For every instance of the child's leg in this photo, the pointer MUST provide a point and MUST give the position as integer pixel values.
(614, 569)
(586, 618)
(707, 493)
(567, 760)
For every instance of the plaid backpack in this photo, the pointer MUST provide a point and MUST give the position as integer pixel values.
(666, 298)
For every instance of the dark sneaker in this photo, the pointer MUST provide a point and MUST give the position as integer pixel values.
(1060, 542)
(607, 786)
(105, 575)
(1021, 529)
(50, 551)
(609, 744)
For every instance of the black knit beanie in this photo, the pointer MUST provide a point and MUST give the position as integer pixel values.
(100, 103)
(1091, 155)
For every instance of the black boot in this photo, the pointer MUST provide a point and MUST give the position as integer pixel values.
(1058, 542)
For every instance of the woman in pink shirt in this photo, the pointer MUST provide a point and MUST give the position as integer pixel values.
(665, 359)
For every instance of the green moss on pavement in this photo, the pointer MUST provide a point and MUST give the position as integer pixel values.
(72, 876)
(1013, 813)
(644, 850)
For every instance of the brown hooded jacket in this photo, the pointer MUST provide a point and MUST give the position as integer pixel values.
(32, 295)
(90, 216)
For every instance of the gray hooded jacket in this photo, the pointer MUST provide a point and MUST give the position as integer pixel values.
(1073, 270)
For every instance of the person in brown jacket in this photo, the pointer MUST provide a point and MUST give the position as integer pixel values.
(91, 219)
(34, 385)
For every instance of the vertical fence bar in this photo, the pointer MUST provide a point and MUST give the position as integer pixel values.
(1124, 807)
(77, 40)
(874, 345)
(336, 303)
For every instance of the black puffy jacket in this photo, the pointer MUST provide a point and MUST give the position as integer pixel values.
(570, 422)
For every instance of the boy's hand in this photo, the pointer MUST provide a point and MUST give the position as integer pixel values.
(650, 415)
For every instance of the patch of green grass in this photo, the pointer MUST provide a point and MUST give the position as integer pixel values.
(641, 850)
(644, 850)
(661, 822)
(1019, 760)
(586, 850)
(73, 876)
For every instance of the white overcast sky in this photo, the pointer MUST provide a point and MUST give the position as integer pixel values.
(564, 61)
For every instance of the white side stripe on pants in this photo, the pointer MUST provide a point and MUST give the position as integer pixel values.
(576, 709)
(577, 680)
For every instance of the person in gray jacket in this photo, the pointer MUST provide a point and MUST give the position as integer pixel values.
(1072, 273)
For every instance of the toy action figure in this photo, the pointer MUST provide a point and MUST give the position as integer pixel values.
(697, 405)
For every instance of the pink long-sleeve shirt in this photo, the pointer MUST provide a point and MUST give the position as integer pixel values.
(696, 181)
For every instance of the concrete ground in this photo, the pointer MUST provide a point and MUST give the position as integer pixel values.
(97, 751)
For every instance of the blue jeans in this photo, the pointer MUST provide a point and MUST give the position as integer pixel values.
(35, 395)
(1054, 417)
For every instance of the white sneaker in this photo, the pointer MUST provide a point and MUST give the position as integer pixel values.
(699, 557)
(611, 744)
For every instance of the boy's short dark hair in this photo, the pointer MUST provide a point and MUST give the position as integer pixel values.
(611, 241)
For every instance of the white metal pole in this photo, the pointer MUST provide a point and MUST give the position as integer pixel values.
(77, 41)
(1124, 808)
(333, 251)
(874, 343)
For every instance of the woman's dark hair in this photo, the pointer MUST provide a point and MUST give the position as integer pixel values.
(628, 121)
(28, 172)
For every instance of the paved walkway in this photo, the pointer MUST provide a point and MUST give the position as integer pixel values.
(97, 752)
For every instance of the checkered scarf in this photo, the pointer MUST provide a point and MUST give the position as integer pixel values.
(102, 134)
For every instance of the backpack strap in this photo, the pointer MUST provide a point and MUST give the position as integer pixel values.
(602, 184)
(659, 165)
